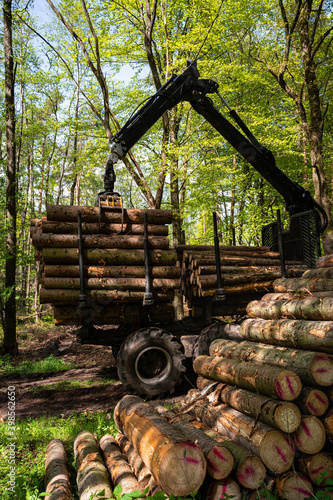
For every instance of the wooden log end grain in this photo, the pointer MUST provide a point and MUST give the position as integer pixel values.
(277, 451)
(178, 465)
(56, 478)
(294, 486)
(313, 401)
(287, 417)
(251, 473)
(288, 385)
(310, 437)
(318, 467)
(225, 488)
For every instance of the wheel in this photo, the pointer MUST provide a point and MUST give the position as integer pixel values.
(215, 331)
(150, 362)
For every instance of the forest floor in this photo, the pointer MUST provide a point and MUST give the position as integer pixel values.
(91, 386)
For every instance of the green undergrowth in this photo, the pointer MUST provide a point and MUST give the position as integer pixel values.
(73, 384)
(49, 364)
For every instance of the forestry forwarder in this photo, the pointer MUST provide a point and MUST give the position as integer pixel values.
(154, 346)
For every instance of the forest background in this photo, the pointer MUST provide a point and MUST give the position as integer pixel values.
(77, 70)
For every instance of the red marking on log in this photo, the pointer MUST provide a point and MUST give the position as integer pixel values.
(289, 443)
(279, 390)
(240, 477)
(249, 471)
(313, 410)
(315, 471)
(224, 490)
(280, 453)
(322, 357)
(290, 385)
(321, 370)
(320, 399)
(190, 445)
(212, 466)
(298, 441)
(306, 429)
(191, 460)
(307, 493)
(219, 454)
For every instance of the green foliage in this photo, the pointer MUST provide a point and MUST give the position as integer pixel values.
(50, 364)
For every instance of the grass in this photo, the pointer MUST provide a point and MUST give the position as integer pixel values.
(50, 364)
(32, 437)
(73, 384)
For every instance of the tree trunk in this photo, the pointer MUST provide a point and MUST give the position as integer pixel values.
(293, 486)
(105, 256)
(314, 308)
(279, 414)
(220, 461)
(61, 227)
(242, 288)
(228, 248)
(310, 437)
(326, 261)
(111, 283)
(269, 380)
(208, 282)
(98, 241)
(92, 214)
(119, 469)
(92, 476)
(318, 467)
(320, 272)
(102, 297)
(310, 335)
(54, 271)
(274, 447)
(56, 479)
(311, 367)
(309, 285)
(312, 401)
(177, 464)
(9, 341)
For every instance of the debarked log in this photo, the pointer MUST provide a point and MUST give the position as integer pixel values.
(92, 476)
(114, 314)
(274, 447)
(101, 297)
(268, 380)
(119, 469)
(106, 256)
(177, 464)
(311, 367)
(56, 479)
(98, 241)
(220, 461)
(279, 414)
(64, 227)
(72, 271)
(93, 214)
(111, 283)
(302, 334)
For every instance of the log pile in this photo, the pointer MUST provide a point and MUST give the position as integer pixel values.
(245, 271)
(114, 261)
(290, 330)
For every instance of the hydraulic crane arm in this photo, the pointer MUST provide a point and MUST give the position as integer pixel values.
(189, 87)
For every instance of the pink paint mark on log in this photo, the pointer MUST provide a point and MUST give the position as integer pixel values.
(322, 370)
(312, 409)
(320, 398)
(290, 386)
(280, 453)
(224, 489)
(279, 390)
(316, 471)
(289, 443)
(249, 471)
(190, 445)
(307, 493)
(298, 441)
(191, 460)
(219, 454)
(306, 429)
(322, 357)
(212, 466)
(240, 477)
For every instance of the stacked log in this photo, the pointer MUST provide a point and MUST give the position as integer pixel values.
(56, 479)
(245, 271)
(114, 261)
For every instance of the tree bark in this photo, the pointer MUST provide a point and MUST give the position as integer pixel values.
(54, 271)
(61, 227)
(243, 288)
(119, 469)
(310, 437)
(314, 308)
(311, 367)
(309, 335)
(326, 261)
(105, 256)
(102, 297)
(269, 380)
(92, 476)
(56, 479)
(177, 464)
(141, 471)
(9, 342)
(110, 283)
(92, 214)
(309, 285)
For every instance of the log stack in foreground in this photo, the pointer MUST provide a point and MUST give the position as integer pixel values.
(114, 261)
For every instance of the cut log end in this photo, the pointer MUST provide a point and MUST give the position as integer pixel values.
(310, 437)
(226, 488)
(277, 451)
(294, 486)
(288, 386)
(287, 417)
(251, 473)
(318, 467)
(219, 462)
(315, 402)
(182, 465)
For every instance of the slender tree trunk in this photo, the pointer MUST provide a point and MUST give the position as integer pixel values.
(10, 344)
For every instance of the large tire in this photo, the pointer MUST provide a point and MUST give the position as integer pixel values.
(215, 331)
(150, 362)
